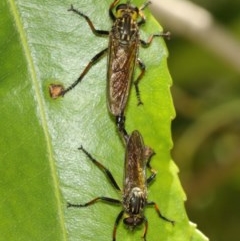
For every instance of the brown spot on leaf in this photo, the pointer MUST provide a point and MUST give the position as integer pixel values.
(55, 90)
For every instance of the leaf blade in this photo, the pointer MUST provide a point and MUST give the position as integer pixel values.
(58, 51)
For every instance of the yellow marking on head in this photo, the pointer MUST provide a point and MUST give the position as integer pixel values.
(132, 13)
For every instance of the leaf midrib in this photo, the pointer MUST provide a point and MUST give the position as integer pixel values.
(41, 110)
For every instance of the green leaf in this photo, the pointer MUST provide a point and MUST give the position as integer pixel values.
(41, 168)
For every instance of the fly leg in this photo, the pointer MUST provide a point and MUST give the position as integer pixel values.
(159, 213)
(142, 65)
(105, 199)
(136, 82)
(101, 167)
(57, 90)
(146, 44)
(111, 14)
(143, 18)
(116, 224)
(149, 152)
(52, 88)
(94, 30)
(145, 228)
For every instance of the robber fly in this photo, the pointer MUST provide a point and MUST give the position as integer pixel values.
(122, 53)
(135, 182)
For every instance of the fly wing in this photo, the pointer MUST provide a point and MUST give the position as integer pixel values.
(121, 63)
(135, 163)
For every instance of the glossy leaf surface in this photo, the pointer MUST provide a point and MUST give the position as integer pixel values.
(41, 168)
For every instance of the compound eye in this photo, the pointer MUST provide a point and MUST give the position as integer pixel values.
(120, 10)
(119, 13)
(125, 8)
(134, 15)
(133, 221)
(121, 6)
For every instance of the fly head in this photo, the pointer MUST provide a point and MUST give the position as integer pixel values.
(123, 10)
(134, 204)
(133, 221)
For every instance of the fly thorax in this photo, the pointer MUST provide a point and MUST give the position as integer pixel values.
(126, 29)
(135, 201)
